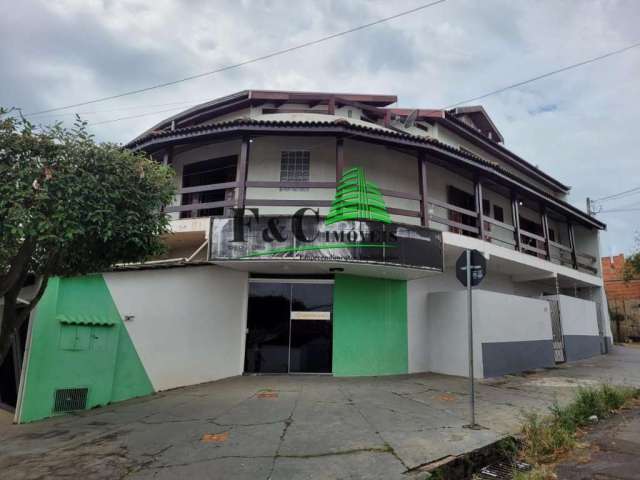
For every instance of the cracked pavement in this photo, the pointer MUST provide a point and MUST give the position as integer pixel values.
(295, 427)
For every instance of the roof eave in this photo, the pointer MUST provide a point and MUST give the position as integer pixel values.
(330, 128)
(456, 124)
(480, 109)
(452, 122)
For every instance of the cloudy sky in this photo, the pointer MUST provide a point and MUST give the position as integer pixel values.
(580, 126)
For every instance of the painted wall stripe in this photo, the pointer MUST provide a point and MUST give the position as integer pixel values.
(370, 326)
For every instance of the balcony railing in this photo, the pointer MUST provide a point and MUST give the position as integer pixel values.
(430, 211)
(495, 231)
(228, 187)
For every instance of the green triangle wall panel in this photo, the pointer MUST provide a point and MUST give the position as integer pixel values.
(97, 356)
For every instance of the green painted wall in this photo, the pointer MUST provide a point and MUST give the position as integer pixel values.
(369, 326)
(93, 349)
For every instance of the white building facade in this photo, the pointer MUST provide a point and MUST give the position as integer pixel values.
(246, 164)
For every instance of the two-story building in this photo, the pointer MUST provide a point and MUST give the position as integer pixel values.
(318, 233)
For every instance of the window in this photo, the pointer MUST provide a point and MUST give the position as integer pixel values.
(207, 172)
(462, 199)
(498, 213)
(535, 228)
(294, 167)
(486, 208)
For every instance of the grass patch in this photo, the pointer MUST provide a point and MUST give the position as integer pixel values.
(545, 439)
(543, 472)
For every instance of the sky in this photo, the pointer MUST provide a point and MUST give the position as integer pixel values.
(580, 126)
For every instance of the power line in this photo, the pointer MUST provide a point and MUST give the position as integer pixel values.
(147, 114)
(246, 62)
(618, 195)
(616, 210)
(128, 107)
(548, 74)
(615, 52)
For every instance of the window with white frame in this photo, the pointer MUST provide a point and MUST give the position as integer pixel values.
(294, 167)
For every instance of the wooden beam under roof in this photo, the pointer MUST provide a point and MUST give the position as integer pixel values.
(435, 149)
(369, 99)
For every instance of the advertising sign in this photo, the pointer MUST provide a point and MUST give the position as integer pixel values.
(305, 236)
(358, 228)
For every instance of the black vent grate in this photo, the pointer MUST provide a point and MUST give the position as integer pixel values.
(503, 470)
(68, 399)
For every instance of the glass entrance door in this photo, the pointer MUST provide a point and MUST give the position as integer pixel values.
(267, 349)
(289, 327)
(310, 349)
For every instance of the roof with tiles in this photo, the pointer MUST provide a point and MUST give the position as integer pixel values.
(296, 121)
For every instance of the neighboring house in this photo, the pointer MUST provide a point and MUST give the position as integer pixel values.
(248, 287)
(623, 298)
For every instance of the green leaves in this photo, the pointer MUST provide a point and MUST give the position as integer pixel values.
(93, 204)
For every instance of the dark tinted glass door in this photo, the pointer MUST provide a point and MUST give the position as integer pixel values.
(268, 317)
(311, 328)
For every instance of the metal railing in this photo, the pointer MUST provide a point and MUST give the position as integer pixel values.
(196, 205)
(449, 216)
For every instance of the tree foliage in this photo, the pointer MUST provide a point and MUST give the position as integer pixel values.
(632, 263)
(71, 206)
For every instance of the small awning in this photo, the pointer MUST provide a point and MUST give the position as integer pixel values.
(82, 319)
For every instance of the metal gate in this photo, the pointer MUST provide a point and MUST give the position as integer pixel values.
(603, 341)
(556, 328)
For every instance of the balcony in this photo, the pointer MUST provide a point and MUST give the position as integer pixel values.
(444, 196)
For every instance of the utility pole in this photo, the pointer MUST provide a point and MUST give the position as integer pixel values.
(589, 211)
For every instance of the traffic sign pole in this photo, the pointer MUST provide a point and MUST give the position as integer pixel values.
(471, 267)
(470, 335)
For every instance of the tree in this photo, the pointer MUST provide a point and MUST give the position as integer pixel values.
(71, 206)
(632, 262)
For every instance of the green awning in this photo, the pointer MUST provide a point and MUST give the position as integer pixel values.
(83, 319)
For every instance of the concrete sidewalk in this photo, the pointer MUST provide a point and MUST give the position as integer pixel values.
(295, 427)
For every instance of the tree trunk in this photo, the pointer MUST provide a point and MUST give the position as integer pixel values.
(9, 324)
(12, 318)
(18, 265)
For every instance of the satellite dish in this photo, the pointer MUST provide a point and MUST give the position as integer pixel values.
(411, 119)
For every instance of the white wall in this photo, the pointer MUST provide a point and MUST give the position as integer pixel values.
(447, 347)
(511, 318)
(578, 316)
(418, 299)
(587, 241)
(264, 165)
(417, 333)
(598, 295)
(497, 317)
(388, 169)
(188, 322)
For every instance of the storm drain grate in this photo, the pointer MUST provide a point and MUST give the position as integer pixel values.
(503, 470)
(68, 399)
